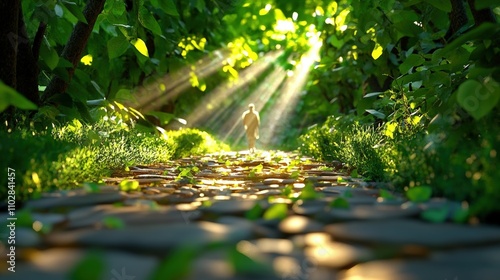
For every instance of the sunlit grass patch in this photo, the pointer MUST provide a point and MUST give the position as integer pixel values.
(66, 156)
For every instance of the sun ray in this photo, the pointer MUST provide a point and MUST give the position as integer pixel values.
(157, 93)
(259, 97)
(279, 115)
(211, 104)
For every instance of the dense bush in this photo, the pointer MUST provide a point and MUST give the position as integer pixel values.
(187, 142)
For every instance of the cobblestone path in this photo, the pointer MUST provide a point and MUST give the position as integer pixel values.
(270, 215)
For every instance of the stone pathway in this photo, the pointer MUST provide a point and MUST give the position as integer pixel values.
(271, 215)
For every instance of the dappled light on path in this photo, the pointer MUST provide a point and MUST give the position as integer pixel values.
(240, 215)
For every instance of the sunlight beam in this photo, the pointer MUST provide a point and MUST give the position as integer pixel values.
(210, 105)
(154, 95)
(259, 97)
(279, 116)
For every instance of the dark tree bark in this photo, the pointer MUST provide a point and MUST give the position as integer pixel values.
(37, 42)
(458, 17)
(75, 47)
(480, 16)
(27, 64)
(9, 13)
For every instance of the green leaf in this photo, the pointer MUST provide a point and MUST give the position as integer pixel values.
(376, 113)
(276, 211)
(371, 94)
(255, 212)
(411, 61)
(118, 8)
(347, 194)
(90, 267)
(77, 91)
(339, 202)
(287, 191)
(75, 10)
(49, 56)
(354, 174)
(308, 192)
(419, 194)
(177, 265)
(435, 215)
(141, 48)
(243, 264)
(129, 185)
(386, 194)
(148, 21)
(113, 222)
(91, 187)
(199, 5)
(478, 99)
(461, 215)
(442, 5)
(117, 46)
(168, 6)
(9, 96)
(482, 32)
(24, 218)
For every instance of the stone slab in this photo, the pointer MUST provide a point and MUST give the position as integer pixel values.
(414, 232)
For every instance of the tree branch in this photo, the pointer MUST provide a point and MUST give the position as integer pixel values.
(37, 42)
(75, 46)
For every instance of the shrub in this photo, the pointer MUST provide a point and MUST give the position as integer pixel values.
(347, 140)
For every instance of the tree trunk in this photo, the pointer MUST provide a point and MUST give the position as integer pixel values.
(9, 13)
(480, 16)
(27, 64)
(75, 47)
(458, 17)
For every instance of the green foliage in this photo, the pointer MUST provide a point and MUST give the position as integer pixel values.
(255, 212)
(176, 265)
(339, 202)
(309, 192)
(245, 265)
(188, 173)
(68, 155)
(434, 106)
(113, 222)
(344, 139)
(386, 195)
(187, 142)
(90, 267)
(129, 185)
(10, 96)
(419, 194)
(276, 211)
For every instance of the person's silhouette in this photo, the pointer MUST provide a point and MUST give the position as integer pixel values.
(251, 121)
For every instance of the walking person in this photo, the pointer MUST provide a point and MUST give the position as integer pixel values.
(251, 121)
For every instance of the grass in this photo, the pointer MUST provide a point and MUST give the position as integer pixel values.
(457, 160)
(64, 157)
(358, 146)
